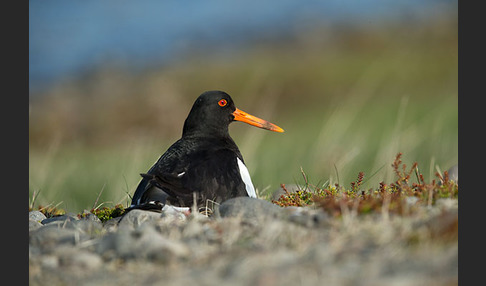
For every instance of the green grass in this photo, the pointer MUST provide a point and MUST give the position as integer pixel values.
(347, 107)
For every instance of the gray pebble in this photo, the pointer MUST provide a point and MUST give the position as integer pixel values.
(37, 216)
(50, 236)
(249, 208)
(89, 227)
(78, 258)
(306, 216)
(112, 224)
(84, 259)
(143, 242)
(62, 218)
(454, 173)
(170, 212)
(90, 217)
(447, 203)
(136, 218)
(49, 261)
(411, 200)
(33, 224)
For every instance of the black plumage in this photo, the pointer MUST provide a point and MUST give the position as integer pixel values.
(203, 162)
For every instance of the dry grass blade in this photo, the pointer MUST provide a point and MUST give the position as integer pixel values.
(98, 197)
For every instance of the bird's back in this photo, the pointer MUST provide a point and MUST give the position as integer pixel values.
(210, 171)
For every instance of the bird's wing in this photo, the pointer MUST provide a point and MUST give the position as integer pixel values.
(171, 162)
(210, 173)
(213, 175)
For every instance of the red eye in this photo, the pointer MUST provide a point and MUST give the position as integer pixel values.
(222, 102)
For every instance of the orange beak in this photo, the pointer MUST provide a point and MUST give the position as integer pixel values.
(255, 121)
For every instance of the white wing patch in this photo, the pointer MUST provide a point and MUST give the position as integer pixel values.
(245, 176)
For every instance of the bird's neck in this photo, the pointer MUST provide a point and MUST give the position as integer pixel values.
(205, 131)
(214, 138)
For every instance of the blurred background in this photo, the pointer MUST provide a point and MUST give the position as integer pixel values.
(352, 83)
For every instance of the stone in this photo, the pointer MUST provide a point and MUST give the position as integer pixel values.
(78, 258)
(112, 224)
(142, 242)
(49, 261)
(447, 203)
(89, 227)
(175, 213)
(411, 200)
(306, 216)
(249, 208)
(33, 224)
(136, 218)
(90, 217)
(62, 218)
(53, 234)
(36, 216)
(454, 173)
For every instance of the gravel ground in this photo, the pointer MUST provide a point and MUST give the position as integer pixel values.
(247, 242)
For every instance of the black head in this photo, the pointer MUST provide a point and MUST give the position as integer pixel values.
(212, 113)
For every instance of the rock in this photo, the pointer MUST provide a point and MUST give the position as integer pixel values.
(257, 209)
(90, 217)
(114, 244)
(411, 200)
(49, 261)
(89, 227)
(249, 208)
(52, 235)
(154, 245)
(62, 218)
(33, 224)
(454, 173)
(136, 218)
(447, 203)
(78, 258)
(176, 213)
(112, 224)
(306, 216)
(143, 242)
(443, 225)
(83, 259)
(36, 216)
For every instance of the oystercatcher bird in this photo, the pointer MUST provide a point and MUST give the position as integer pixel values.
(204, 164)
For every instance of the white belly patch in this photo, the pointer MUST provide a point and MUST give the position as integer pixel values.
(245, 176)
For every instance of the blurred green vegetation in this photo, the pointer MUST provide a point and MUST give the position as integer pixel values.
(349, 100)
